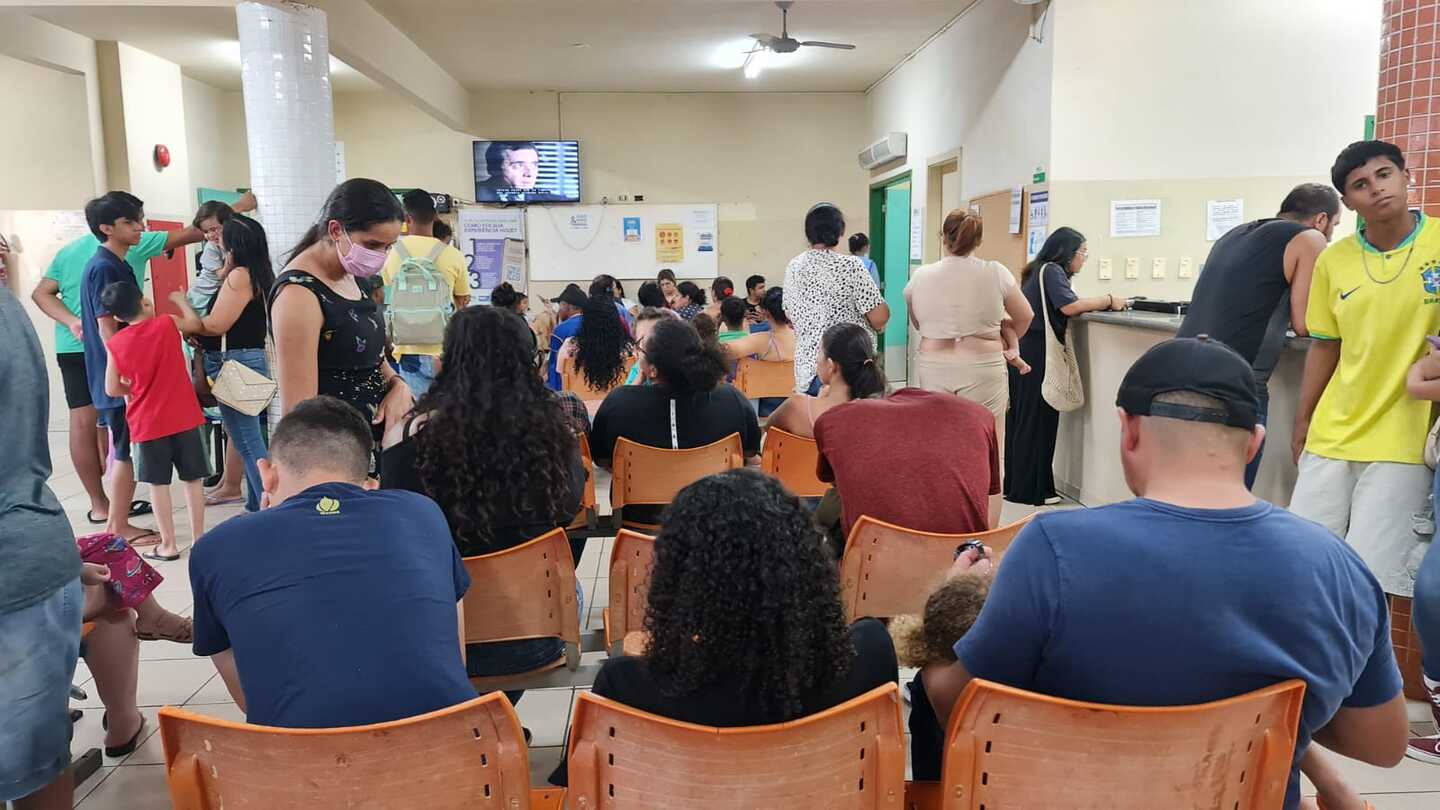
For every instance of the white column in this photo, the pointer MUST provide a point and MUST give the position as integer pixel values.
(289, 119)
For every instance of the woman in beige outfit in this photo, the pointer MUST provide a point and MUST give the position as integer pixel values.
(969, 313)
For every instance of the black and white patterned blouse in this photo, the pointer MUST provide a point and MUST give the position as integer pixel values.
(823, 288)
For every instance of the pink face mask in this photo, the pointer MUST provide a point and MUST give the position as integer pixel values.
(360, 261)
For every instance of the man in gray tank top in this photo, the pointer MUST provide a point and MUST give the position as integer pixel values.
(1256, 281)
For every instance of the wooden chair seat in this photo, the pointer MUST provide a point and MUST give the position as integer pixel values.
(757, 379)
(793, 461)
(653, 476)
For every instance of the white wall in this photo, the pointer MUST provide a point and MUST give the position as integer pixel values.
(45, 144)
(154, 113)
(215, 136)
(982, 87)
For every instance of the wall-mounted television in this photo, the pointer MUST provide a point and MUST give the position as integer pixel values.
(527, 171)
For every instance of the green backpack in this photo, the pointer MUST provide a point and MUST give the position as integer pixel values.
(418, 302)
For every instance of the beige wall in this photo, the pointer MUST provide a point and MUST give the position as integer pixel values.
(46, 157)
(215, 133)
(152, 112)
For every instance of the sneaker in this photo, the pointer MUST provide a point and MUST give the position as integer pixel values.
(1052, 500)
(1425, 749)
(1432, 690)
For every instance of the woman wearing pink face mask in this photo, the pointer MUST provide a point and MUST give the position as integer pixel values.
(329, 334)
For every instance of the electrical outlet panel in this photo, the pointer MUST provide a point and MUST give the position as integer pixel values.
(1105, 272)
(1157, 267)
(1132, 267)
(1185, 271)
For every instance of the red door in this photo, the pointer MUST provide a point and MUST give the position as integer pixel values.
(168, 271)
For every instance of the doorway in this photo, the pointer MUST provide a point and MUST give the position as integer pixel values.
(890, 248)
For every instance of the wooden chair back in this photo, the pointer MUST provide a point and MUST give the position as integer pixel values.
(851, 756)
(631, 559)
(573, 380)
(527, 591)
(889, 570)
(587, 517)
(654, 475)
(793, 459)
(765, 378)
(471, 755)
(1006, 747)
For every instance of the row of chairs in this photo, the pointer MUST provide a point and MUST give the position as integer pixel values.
(1005, 748)
(754, 378)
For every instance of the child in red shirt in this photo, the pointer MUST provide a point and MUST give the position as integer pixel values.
(147, 366)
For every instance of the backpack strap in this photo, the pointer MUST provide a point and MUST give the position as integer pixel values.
(400, 248)
(437, 250)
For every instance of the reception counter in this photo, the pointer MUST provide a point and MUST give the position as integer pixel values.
(1087, 453)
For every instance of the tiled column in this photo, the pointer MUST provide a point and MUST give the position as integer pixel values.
(289, 120)
(1407, 111)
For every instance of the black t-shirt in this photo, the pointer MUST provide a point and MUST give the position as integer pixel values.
(1058, 293)
(516, 521)
(641, 413)
(627, 680)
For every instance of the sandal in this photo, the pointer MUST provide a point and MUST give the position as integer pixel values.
(181, 631)
(221, 500)
(140, 539)
(138, 508)
(127, 748)
(94, 521)
(154, 554)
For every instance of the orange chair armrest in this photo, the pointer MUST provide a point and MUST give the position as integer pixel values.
(547, 798)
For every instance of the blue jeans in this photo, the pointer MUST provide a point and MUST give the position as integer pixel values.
(244, 430)
(1253, 467)
(418, 372)
(39, 645)
(1425, 612)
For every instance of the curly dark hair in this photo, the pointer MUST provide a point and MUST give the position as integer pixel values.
(602, 342)
(686, 361)
(496, 441)
(751, 600)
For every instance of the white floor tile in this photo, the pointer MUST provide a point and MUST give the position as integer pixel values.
(131, 787)
(546, 712)
(88, 786)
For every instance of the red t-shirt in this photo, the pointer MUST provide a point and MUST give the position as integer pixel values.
(919, 459)
(162, 398)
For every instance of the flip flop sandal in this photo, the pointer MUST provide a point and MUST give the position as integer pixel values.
(94, 521)
(125, 749)
(184, 634)
(149, 537)
(157, 557)
(138, 508)
(211, 500)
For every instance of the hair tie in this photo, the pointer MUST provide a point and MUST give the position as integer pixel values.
(869, 361)
(729, 291)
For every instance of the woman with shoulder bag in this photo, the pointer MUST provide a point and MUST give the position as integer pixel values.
(234, 329)
(1032, 421)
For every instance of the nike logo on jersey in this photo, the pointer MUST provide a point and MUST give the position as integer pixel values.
(1345, 295)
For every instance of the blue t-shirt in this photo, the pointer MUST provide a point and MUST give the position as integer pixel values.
(339, 604)
(564, 330)
(870, 267)
(103, 269)
(1144, 603)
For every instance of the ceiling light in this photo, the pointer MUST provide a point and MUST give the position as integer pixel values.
(756, 62)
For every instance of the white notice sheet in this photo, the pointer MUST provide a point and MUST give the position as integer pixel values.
(1131, 218)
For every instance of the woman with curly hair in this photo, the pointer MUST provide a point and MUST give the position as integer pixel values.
(744, 616)
(497, 451)
(602, 344)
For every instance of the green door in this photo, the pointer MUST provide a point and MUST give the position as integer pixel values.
(895, 272)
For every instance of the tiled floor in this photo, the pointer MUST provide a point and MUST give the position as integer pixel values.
(169, 674)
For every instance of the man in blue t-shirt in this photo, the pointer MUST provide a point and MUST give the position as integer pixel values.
(1196, 591)
(570, 302)
(339, 604)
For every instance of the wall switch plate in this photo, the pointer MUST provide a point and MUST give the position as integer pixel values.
(1185, 271)
(1157, 267)
(1132, 267)
(1105, 272)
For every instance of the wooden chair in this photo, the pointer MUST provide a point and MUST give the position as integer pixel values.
(888, 570)
(792, 459)
(572, 380)
(652, 476)
(1007, 748)
(527, 591)
(630, 561)
(765, 378)
(851, 756)
(471, 755)
(587, 519)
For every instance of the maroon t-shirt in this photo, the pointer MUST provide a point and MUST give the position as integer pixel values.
(162, 398)
(919, 459)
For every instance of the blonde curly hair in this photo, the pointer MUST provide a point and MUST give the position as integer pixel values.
(949, 612)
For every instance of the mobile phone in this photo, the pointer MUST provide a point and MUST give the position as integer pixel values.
(969, 544)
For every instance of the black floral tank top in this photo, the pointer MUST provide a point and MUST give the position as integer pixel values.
(352, 343)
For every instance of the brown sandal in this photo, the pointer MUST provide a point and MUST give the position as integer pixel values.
(180, 631)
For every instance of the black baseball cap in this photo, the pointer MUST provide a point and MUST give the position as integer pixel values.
(1197, 364)
(572, 295)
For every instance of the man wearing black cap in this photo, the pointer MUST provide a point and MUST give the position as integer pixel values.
(568, 305)
(1195, 591)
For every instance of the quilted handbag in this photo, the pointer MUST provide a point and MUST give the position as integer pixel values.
(243, 388)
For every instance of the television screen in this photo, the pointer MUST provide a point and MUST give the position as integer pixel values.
(527, 171)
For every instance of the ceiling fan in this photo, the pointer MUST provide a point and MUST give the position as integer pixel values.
(788, 44)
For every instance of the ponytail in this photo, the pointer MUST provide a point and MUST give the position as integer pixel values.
(686, 362)
(357, 204)
(852, 349)
(962, 232)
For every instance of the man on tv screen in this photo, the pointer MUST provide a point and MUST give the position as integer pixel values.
(514, 169)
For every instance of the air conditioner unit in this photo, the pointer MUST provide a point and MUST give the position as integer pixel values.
(883, 151)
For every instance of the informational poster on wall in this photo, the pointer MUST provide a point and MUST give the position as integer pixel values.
(669, 242)
(512, 263)
(1221, 216)
(1134, 218)
(1039, 223)
(917, 234)
(483, 238)
(632, 230)
(1017, 200)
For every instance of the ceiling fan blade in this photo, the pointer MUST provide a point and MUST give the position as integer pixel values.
(765, 39)
(837, 45)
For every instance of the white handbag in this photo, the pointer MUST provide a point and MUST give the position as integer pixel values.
(1061, 387)
(240, 387)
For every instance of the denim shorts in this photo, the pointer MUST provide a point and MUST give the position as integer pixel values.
(39, 645)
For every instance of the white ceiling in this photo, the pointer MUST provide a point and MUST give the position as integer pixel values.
(662, 45)
(201, 40)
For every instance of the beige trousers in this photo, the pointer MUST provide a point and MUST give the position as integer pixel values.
(978, 379)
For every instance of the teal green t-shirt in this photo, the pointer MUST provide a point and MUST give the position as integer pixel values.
(68, 269)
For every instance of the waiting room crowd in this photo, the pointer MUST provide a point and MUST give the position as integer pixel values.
(418, 434)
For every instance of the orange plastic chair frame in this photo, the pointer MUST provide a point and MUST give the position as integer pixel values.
(527, 591)
(631, 559)
(765, 378)
(850, 756)
(889, 570)
(587, 519)
(653, 475)
(572, 380)
(471, 755)
(793, 460)
(1005, 747)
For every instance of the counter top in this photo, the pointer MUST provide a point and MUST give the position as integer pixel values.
(1170, 324)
